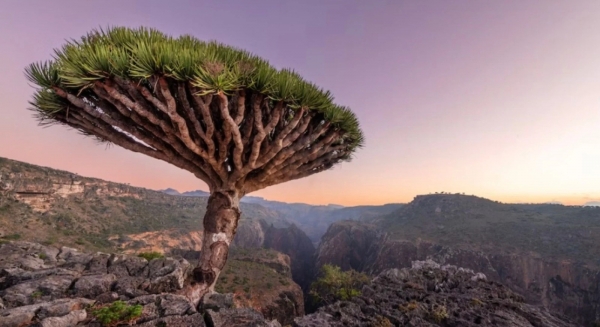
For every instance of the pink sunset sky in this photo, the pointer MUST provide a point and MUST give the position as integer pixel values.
(500, 99)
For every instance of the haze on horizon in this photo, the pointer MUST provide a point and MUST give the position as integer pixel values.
(496, 99)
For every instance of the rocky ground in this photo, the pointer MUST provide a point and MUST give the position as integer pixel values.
(43, 286)
(432, 295)
(50, 287)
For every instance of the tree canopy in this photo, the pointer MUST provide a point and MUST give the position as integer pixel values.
(117, 70)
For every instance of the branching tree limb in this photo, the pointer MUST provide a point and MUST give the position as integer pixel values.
(222, 114)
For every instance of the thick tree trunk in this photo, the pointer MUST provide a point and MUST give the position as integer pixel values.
(220, 224)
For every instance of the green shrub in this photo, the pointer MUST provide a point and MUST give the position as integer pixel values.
(382, 322)
(439, 313)
(410, 306)
(117, 312)
(12, 237)
(151, 255)
(335, 285)
(478, 302)
(36, 295)
(50, 240)
(43, 256)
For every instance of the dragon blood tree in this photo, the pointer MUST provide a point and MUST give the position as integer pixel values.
(221, 113)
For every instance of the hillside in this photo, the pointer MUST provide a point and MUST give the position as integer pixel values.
(550, 230)
(57, 207)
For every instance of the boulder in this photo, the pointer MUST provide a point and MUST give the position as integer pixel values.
(107, 297)
(217, 301)
(125, 265)
(46, 288)
(71, 319)
(98, 264)
(175, 305)
(167, 275)
(91, 286)
(26, 255)
(62, 307)
(17, 317)
(24, 315)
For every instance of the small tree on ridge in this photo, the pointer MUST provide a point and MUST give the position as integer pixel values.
(223, 114)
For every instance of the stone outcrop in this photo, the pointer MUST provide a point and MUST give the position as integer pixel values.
(560, 286)
(432, 295)
(41, 186)
(49, 287)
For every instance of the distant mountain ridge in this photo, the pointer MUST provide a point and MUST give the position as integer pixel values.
(170, 191)
(554, 231)
(247, 199)
(312, 219)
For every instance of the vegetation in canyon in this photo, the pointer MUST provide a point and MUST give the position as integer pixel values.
(334, 285)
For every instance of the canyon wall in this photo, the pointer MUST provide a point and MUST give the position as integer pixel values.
(570, 288)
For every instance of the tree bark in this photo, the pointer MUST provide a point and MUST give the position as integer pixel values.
(220, 224)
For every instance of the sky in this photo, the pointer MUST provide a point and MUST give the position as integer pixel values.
(500, 99)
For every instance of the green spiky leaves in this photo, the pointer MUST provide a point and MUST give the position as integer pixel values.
(139, 54)
(44, 74)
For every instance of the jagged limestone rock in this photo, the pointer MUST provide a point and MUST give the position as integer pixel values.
(432, 295)
(56, 296)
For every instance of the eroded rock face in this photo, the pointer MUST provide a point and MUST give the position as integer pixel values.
(39, 187)
(432, 295)
(293, 242)
(350, 245)
(559, 286)
(65, 283)
(249, 234)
